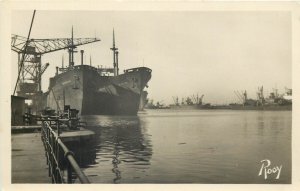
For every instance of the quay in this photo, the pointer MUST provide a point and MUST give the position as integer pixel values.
(25, 128)
(39, 153)
(80, 135)
(28, 159)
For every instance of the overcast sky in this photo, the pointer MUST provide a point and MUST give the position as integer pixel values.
(210, 53)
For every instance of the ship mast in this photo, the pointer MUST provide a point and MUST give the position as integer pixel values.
(72, 48)
(115, 56)
(71, 51)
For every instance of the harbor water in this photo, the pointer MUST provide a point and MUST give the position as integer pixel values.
(191, 146)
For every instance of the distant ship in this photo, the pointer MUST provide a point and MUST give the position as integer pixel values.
(260, 107)
(94, 91)
(190, 103)
(143, 100)
(271, 103)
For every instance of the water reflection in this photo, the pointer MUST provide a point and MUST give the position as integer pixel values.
(121, 141)
(260, 127)
(269, 126)
(115, 163)
(189, 147)
(245, 126)
(275, 127)
(85, 152)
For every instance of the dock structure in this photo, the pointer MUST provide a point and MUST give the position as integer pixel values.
(44, 157)
(77, 136)
(61, 161)
(25, 129)
(28, 159)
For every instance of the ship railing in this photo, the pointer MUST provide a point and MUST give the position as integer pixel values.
(58, 156)
(137, 69)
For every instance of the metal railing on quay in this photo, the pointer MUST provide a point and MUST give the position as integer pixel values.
(59, 157)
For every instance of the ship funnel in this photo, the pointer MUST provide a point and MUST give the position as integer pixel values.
(81, 51)
(71, 50)
(90, 60)
(117, 63)
(62, 61)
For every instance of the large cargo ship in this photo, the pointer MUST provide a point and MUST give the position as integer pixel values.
(98, 91)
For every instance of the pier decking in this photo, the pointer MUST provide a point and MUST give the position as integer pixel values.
(25, 129)
(78, 135)
(29, 162)
(28, 159)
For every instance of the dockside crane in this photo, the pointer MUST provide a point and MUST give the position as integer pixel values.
(260, 95)
(194, 99)
(200, 102)
(239, 96)
(30, 67)
(175, 100)
(197, 99)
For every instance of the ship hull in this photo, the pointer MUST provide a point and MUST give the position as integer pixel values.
(234, 107)
(84, 89)
(184, 107)
(264, 108)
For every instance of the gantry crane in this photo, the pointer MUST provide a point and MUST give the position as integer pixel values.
(30, 67)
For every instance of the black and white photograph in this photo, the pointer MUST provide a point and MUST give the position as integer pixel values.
(151, 96)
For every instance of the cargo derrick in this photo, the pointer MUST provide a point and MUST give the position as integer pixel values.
(30, 67)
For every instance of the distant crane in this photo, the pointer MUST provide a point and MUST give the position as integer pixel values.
(275, 90)
(175, 100)
(288, 91)
(200, 99)
(260, 95)
(239, 96)
(195, 100)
